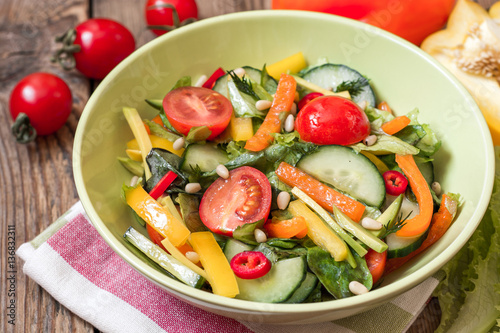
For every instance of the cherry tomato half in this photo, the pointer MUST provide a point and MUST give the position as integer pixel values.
(244, 197)
(46, 100)
(376, 263)
(158, 14)
(395, 182)
(104, 44)
(332, 120)
(250, 265)
(188, 107)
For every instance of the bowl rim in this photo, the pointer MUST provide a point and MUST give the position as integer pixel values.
(379, 295)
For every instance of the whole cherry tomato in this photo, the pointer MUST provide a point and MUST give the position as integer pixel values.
(410, 19)
(40, 104)
(307, 98)
(95, 47)
(250, 265)
(332, 120)
(165, 15)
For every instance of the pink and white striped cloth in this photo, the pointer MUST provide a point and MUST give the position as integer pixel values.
(74, 264)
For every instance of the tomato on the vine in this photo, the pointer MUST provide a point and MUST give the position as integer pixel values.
(165, 15)
(244, 197)
(40, 104)
(332, 120)
(95, 47)
(188, 107)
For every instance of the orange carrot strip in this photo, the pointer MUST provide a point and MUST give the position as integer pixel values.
(418, 224)
(283, 100)
(441, 221)
(395, 125)
(322, 194)
(286, 228)
(158, 120)
(384, 106)
(147, 129)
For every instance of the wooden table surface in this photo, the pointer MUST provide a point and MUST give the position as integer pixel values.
(36, 180)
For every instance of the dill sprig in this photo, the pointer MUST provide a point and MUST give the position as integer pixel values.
(244, 85)
(353, 87)
(396, 226)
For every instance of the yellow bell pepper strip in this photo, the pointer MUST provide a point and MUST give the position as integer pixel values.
(178, 254)
(241, 129)
(319, 232)
(441, 221)
(219, 273)
(419, 223)
(157, 142)
(134, 154)
(395, 125)
(377, 161)
(468, 48)
(141, 135)
(315, 88)
(282, 103)
(322, 194)
(156, 216)
(292, 64)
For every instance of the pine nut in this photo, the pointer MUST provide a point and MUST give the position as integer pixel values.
(201, 81)
(357, 288)
(436, 187)
(192, 187)
(283, 200)
(179, 143)
(239, 71)
(222, 171)
(370, 140)
(293, 110)
(362, 105)
(263, 104)
(370, 224)
(260, 236)
(290, 123)
(192, 256)
(134, 181)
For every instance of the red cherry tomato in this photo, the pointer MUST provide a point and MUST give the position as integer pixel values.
(45, 99)
(188, 107)
(411, 19)
(332, 120)
(159, 14)
(103, 44)
(376, 263)
(245, 197)
(395, 182)
(250, 265)
(307, 98)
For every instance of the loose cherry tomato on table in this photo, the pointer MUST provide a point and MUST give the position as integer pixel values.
(332, 120)
(376, 263)
(250, 265)
(40, 104)
(95, 47)
(244, 197)
(395, 182)
(188, 107)
(163, 16)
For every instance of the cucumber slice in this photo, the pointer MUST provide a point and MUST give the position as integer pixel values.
(348, 171)
(207, 156)
(402, 246)
(276, 286)
(165, 260)
(305, 289)
(233, 247)
(332, 75)
(270, 84)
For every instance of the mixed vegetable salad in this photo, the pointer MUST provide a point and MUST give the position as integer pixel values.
(275, 187)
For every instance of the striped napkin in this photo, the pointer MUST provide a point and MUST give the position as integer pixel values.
(73, 263)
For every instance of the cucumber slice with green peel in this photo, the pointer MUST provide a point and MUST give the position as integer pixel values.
(270, 84)
(403, 246)
(332, 75)
(233, 247)
(305, 289)
(347, 171)
(162, 258)
(277, 286)
(207, 156)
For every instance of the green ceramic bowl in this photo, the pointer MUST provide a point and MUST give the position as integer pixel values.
(400, 73)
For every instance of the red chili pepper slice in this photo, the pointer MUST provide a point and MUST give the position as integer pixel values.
(395, 182)
(250, 265)
(162, 185)
(211, 80)
(307, 98)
